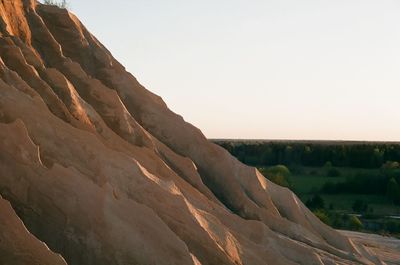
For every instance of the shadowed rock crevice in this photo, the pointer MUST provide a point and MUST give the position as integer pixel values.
(20, 247)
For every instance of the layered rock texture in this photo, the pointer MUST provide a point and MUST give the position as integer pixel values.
(95, 169)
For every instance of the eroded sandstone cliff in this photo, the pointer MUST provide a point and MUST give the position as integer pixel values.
(98, 169)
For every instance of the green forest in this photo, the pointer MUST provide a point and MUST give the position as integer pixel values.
(348, 185)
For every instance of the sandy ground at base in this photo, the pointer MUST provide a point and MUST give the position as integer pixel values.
(386, 248)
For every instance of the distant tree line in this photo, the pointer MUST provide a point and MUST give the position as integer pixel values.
(313, 154)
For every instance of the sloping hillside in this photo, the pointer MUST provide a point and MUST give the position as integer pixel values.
(99, 169)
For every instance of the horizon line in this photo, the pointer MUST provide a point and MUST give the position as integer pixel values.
(302, 140)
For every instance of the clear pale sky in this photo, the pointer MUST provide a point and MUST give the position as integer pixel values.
(282, 69)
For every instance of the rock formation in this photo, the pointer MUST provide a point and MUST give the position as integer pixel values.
(100, 171)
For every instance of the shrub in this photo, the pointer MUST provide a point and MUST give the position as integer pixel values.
(322, 216)
(60, 4)
(355, 223)
(278, 174)
(278, 170)
(338, 220)
(280, 180)
(316, 203)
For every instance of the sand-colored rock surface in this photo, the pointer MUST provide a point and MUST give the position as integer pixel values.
(101, 171)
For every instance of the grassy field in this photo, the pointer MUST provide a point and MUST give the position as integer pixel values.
(308, 181)
(311, 180)
(344, 202)
(310, 184)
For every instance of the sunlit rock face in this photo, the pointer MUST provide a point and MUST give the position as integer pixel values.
(95, 169)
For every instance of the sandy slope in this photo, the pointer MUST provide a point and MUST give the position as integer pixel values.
(99, 168)
(386, 248)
